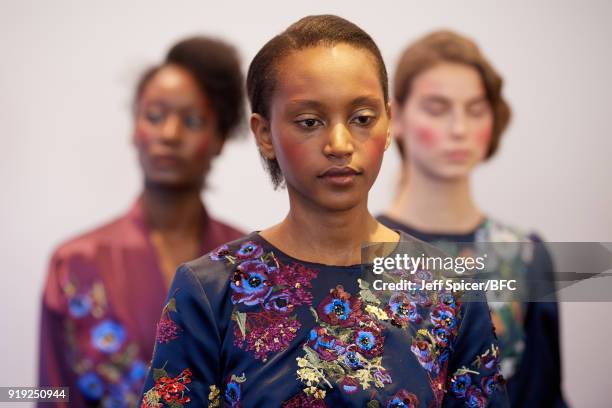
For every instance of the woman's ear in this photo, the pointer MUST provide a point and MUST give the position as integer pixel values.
(260, 127)
(390, 116)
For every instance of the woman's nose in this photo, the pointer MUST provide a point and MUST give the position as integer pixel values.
(171, 128)
(340, 142)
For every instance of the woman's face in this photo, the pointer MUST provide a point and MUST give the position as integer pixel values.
(329, 125)
(446, 121)
(175, 131)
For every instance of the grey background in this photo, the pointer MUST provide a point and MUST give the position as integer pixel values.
(66, 77)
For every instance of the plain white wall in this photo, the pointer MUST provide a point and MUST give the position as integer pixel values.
(66, 79)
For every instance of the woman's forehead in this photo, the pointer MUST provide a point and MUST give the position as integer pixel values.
(328, 72)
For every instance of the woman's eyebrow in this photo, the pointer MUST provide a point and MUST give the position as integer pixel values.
(366, 100)
(305, 103)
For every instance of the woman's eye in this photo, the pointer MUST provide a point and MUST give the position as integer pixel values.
(435, 108)
(363, 120)
(193, 122)
(478, 110)
(308, 123)
(155, 117)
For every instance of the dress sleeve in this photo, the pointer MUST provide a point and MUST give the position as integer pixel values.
(53, 368)
(473, 370)
(186, 359)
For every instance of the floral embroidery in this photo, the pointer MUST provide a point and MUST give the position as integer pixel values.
(303, 400)
(346, 348)
(167, 329)
(403, 399)
(108, 336)
(464, 386)
(261, 281)
(214, 397)
(233, 390)
(91, 386)
(166, 389)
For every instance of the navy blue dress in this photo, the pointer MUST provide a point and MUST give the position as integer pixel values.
(528, 332)
(249, 326)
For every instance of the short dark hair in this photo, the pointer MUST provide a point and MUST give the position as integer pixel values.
(310, 31)
(447, 46)
(215, 66)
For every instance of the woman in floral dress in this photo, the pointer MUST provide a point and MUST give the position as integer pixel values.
(287, 316)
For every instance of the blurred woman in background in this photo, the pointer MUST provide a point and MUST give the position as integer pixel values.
(105, 289)
(448, 116)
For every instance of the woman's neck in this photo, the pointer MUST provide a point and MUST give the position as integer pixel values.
(435, 205)
(323, 236)
(174, 212)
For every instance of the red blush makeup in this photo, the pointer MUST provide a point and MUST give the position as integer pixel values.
(426, 137)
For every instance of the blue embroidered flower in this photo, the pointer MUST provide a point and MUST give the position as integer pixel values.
(489, 384)
(118, 396)
(327, 346)
(442, 335)
(249, 250)
(402, 310)
(232, 394)
(280, 302)
(338, 308)
(443, 315)
(369, 341)
(138, 371)
(220, 253)
(91, 386)
(251, 283)
(79, 306)
(460, 384)
(474, 398)
(403, 399)
(448, 299)
(353, 360)
(108, 336)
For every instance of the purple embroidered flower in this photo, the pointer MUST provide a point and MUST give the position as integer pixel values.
(420, 297)
(301, 400)
(490, 360)
(403, 399)
(349, 385)
(251, 283)
(422, 275)
(233, 393)
(280, 302)
(442, 315)
(353, 360)
(474, 398)
(339, 309)
(327, 347)
(369, 341)
(249, 250)
(489, 384)
(266, 333)
(459, 384)
(442, 335)
(424, 354)
(79, 306)
(220, 253)
(402, 310)
(295, 278)
(91, 386)
(382, 376)
(167, 330)
(108, 336)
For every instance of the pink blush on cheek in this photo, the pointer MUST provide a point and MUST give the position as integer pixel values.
(483, 137)
(203, 147)
(141, 136)
(426, 137)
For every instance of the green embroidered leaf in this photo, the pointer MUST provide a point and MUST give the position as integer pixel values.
(373, 404)
(175, 404)
(240, 319)
(363, 284)
(159, 373)
(368, 296)
(172, 305)
(314, 313)
(312, 356)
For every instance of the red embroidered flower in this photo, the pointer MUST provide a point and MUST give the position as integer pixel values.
(172, 390)
(167, 330)
(403, 399)
(302, 400)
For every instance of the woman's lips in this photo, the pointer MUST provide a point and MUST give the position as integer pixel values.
(458, 155)
(340, 176)
(165, 160)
